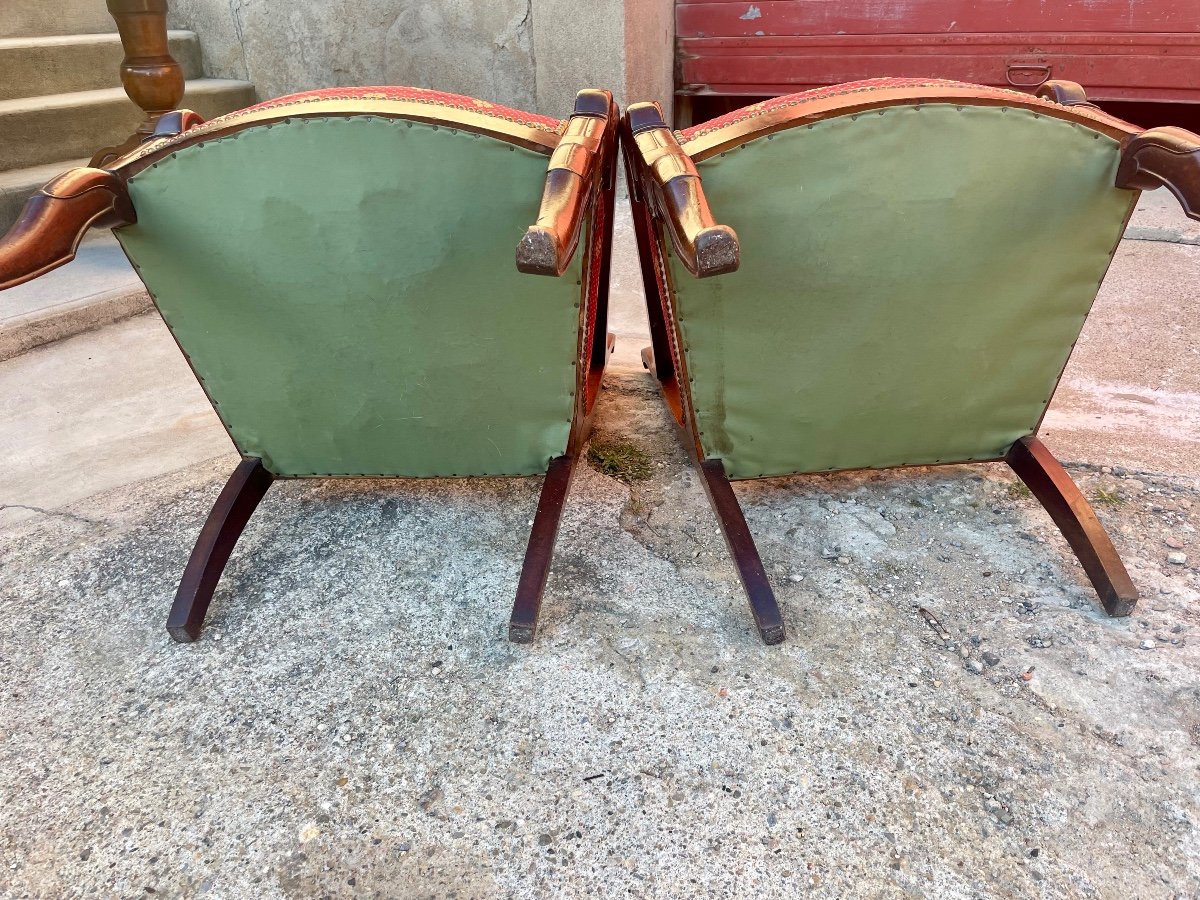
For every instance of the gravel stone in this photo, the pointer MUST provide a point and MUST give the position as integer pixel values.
(648, 720)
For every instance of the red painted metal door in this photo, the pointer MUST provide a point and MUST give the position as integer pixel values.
(1123, 50)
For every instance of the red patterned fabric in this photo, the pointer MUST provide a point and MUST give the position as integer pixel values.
(409, 94)
(836, 90)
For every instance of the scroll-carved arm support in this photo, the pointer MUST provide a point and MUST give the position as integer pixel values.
(1064, 93)
(705, 247)
(1160, 157)
(176, 122)
(581, 157)
(55, 219)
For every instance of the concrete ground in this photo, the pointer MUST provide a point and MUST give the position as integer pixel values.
(952, 714)
(98, 288)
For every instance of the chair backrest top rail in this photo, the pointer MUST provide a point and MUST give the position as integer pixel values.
(713, 137)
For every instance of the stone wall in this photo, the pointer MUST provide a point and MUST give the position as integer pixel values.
(483, 48)
(531, 54)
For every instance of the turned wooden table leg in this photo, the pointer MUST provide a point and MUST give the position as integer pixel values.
(150, 75)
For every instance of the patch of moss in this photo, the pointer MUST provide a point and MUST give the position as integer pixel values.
(621, 460)
(1017, 490)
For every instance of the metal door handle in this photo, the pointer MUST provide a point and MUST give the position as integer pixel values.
(1027, 67)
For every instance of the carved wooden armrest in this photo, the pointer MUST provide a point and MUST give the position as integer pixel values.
(176, 122)
(1064, 93)
(581, 157)
(55, 219)
(705, 247)
(1163, 157)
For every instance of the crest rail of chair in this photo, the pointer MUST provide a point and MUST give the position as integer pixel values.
(712, 138)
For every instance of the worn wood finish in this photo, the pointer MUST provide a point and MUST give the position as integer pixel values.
(548, 245)
(153, 151)
(235, 504)
(1064, 93)
(652, 227)
(651, 220)
(707, 140)
(1144, 50)
(705, 247)
(601, 350)
(644, 226)
(580, 188)
(596, 343)
(150, 75)
(653, 217)
(176, 122)
(1150, 68)
(730, 17)
(745, 554)
(1057, 492)
(522, 626)
(1167, 157)
(55, 220)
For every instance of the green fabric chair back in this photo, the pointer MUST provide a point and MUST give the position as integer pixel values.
(912, 282)
(344, 289)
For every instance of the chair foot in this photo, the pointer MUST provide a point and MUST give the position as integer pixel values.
(648, 359)
(522, 626)
(1049, 482)
(236, 503)
(745, 555)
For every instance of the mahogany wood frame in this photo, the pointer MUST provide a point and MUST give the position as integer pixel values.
(705, 247)
(582, 176)
(234, 507)
(578, 201)
(667, 196)
(668, 203)
(705, 142)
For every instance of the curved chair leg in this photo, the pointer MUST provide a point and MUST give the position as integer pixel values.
(237, 502)
(741, 545)
(522, 627)
(1049, 482)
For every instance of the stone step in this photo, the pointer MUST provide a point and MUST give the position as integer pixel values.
(18, 185)
(97, 288)
(37, 66)
(32, 18)
(37, 130)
